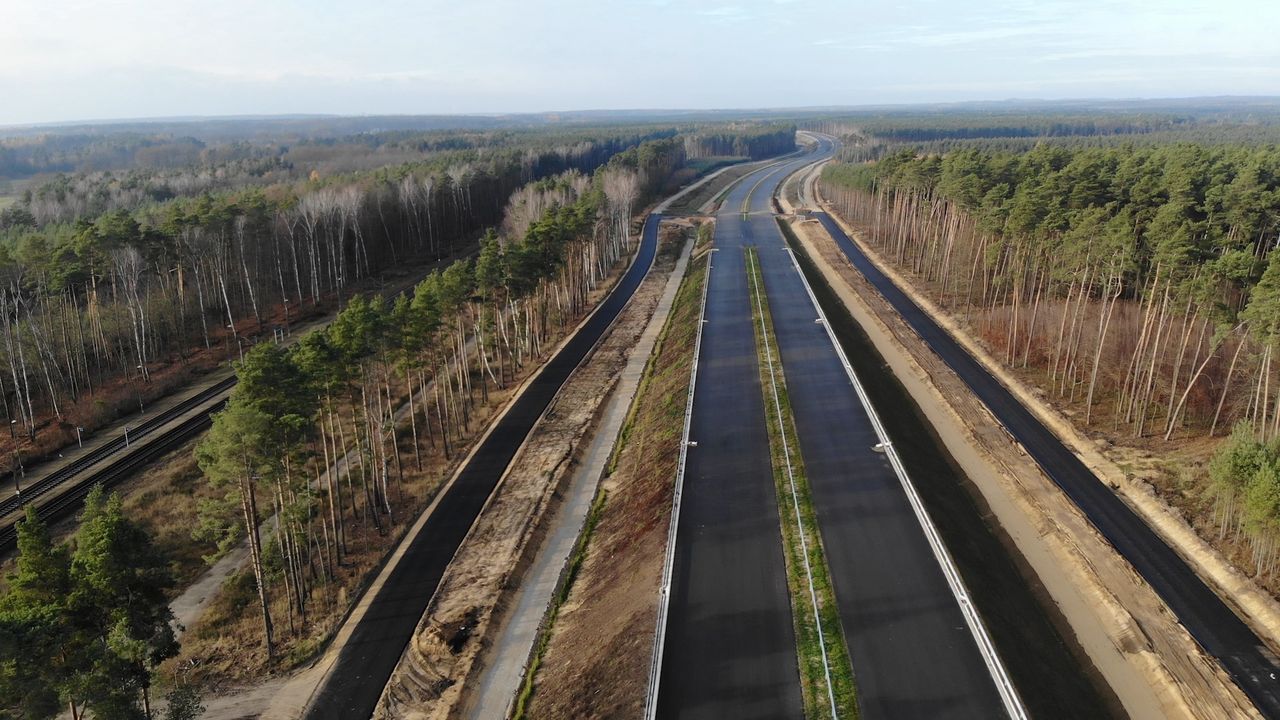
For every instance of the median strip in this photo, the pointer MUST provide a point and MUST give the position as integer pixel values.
(826, 673)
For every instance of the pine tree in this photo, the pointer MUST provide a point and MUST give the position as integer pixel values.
(120, 582)
(38, 653)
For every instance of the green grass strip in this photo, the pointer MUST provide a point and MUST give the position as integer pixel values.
(820, 646)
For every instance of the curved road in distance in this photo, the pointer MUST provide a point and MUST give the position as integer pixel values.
(353, 685)
(1205, 615)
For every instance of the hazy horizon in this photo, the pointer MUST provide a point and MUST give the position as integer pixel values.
(69, 61)
(664, 113)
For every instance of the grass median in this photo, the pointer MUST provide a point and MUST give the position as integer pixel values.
(826, 673)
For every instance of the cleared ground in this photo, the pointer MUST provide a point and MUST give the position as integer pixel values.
(596, 660)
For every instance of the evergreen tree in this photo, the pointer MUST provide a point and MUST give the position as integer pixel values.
(120, 582)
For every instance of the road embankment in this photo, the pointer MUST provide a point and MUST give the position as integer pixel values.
(597, 652)
(1121, 627)
(437, 672)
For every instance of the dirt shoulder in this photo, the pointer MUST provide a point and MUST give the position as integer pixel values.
(1121, 625)
(447, 649)
(596, 660)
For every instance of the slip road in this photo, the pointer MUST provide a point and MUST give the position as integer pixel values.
(1218, 630)
(364, 665)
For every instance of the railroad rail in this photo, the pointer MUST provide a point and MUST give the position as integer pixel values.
(68, 492)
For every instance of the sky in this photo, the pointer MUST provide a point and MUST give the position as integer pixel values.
(66, 60)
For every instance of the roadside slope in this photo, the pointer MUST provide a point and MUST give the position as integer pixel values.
(596, 659)
(1189, 682)
(433, 677)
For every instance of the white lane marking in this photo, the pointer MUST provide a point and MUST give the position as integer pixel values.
(795, 501)
(1008, 693)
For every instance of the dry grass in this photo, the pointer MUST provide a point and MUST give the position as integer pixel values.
(164, 497)
(595, 664)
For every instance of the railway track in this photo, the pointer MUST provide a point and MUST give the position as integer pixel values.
(68, 492)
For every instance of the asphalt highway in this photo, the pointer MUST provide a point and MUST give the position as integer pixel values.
(902, 623)
(730, 646)
(730, 649)
(1209, 620)
(355, 682)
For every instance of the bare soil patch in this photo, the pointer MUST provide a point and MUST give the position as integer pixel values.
(596, 662)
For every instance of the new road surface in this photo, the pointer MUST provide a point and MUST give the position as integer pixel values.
(1218, 630)
(729, 649)
(353, 685)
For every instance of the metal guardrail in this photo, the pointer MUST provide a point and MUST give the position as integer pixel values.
(664, 593)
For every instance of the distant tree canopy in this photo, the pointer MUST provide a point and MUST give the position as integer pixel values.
(752, 141)
(138, 178)
(1185, 203)
(872, 135)
(1187, 231)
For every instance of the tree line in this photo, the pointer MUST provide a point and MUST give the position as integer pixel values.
(84, 624)
(1142, 282)
(746, 140)
(164, 149)
(98, 302)
(872, 136)
(1142, 276)
(319, 436)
